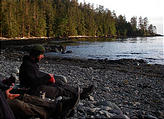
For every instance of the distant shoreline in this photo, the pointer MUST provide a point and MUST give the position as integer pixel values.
(73, 37)
(32, 40)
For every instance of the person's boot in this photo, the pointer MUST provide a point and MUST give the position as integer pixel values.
(66, 106)
(86, 92)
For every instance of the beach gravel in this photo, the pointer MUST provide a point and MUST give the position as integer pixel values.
(123, 88)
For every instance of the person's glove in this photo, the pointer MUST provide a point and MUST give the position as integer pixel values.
(9, 95)
(52, 80)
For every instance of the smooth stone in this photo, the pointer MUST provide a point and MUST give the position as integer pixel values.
(92, 109)
(69, 51)
(81, 104)
(101, 112)
(107, 108)
(91, 98)
(107, 88)
(136, 103)
(97, 109)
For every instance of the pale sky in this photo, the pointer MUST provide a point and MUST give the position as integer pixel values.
(152, 9)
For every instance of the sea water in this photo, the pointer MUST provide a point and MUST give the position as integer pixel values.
(150, 49)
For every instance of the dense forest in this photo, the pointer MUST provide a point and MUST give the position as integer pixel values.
(62, 18)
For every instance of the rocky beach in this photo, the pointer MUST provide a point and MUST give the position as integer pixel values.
(125, 88)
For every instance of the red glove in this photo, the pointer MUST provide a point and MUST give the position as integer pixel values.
(9, 95)
(52, 80)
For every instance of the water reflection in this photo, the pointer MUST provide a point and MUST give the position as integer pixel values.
(150, 49)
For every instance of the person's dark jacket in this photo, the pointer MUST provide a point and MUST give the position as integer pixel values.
(30, 75)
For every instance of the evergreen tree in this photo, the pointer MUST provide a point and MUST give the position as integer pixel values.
(121, 26)
(150, 29)
(145, 25)
(133, 22)
(49, 12)
(61, 28)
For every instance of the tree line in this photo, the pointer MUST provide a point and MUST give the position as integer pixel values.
(62, 18)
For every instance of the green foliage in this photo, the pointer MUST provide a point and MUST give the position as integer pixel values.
(61, 28)
(121, 26)
(62, 18)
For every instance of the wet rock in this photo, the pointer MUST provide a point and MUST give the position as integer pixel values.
(56, 48)
(68, 51)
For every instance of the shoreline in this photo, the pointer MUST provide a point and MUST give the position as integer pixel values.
(31, 40)
(78, 36)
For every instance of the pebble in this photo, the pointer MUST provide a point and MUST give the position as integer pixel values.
(91, 98)
(107, 108)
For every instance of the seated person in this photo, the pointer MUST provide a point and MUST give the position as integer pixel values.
(27, 106)
(31, 77)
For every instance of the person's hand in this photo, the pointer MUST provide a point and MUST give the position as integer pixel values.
(11, 96)
(52, 80)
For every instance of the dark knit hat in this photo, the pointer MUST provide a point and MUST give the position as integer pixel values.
(36, 50)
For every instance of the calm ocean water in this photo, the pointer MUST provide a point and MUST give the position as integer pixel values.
(150, 49)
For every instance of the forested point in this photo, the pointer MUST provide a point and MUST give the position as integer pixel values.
(63, 18)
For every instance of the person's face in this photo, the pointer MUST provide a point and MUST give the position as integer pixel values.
(41, 56)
